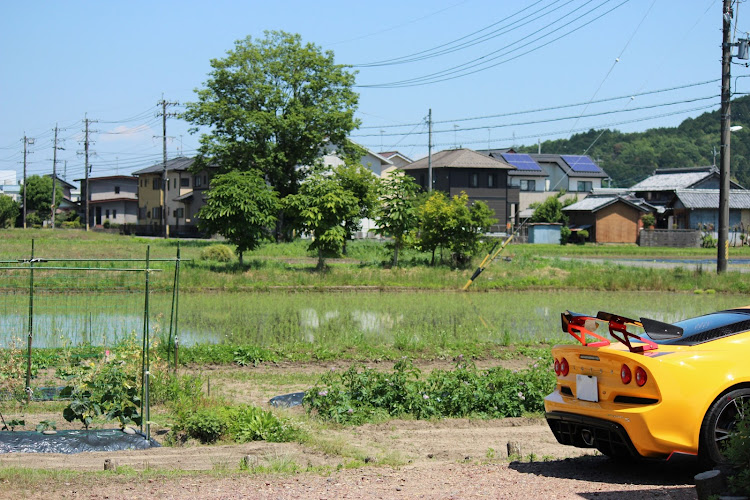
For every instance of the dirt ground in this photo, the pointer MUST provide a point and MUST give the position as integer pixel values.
(443, 459)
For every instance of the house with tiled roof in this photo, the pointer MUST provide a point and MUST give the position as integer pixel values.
(112, 198)
(699, 208)
(480, 176)
(181, 197)
(397, 160)
(539, 176)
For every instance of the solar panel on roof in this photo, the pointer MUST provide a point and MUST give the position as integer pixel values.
(580, 163)
(522, 161)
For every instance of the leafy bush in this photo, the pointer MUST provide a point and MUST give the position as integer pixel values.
(738, 453)
(218, 253)
(250, 423)
(361, 394)
(565, 233)
(206, 425)
(648, 220)
(241, 424)
(252, 355)
(108, 390)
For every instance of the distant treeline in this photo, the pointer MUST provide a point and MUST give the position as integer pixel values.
(631, 157)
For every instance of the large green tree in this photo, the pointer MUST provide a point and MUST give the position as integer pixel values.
(272, 104)
(241, 207)
(38, 190)
(9, 211)
(454, 224)
(362, 183)
(396, 214)
(322, 206)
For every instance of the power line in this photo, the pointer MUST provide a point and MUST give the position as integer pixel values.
(433, 52)
(550, 108)
(563, 118)
(453, 72)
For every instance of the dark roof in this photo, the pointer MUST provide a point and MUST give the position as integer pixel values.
(176, 164)
(568, 164)
(63, 181)
(596, 203)
(109, 178)
(739, 199)
(460, 158)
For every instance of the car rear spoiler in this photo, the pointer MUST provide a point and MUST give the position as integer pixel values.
(580, 327)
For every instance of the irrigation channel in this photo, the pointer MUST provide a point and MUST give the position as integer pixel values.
(280, 318)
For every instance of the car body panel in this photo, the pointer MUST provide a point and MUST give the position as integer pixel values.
(663, 416)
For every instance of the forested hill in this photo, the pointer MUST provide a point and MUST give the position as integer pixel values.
(631, 157)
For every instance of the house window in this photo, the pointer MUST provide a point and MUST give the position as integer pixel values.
(197, 181)
(174, 183)
(527, 185)
(114, 214)
(490, 180)
(473, 180)
(142, 212)
(178, 213)
(584, 186)
(185, 182)
(117, 189)
(205, 180)
(156, 183)
(156, 213)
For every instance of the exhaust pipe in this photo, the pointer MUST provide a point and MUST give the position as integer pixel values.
(588, 437)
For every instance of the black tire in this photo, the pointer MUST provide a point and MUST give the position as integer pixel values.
(718, 423)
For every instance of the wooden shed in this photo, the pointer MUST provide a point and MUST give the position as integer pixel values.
(609, 218)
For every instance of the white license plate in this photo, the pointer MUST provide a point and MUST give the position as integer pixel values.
(587, 388)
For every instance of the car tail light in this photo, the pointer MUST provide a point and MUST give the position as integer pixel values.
(640, 376)
(557, 367)
(625, 374)
(564, 368)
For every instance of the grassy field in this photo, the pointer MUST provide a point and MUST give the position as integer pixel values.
(530, 267)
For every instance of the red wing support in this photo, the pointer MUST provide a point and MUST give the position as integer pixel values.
(573, 324)
(619, 324)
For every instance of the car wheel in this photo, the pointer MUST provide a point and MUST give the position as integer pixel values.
(719, 424)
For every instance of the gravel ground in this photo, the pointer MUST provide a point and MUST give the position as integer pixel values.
(580, 478)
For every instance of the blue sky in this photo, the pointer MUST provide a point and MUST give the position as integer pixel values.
(113, 61)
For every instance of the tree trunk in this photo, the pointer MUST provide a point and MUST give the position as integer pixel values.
(396, 246)
(321, 262)
(239, 256)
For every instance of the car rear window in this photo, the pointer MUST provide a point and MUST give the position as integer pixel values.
(710, 327)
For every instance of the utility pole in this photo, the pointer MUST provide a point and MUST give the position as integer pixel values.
(26, 141)
(429, 152)
(163, 103)
(726, 115)
(54, 174)
(87, 167)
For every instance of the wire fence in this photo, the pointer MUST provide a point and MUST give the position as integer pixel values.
(50, 302)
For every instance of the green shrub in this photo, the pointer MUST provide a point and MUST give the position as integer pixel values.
(565, 233)
(218, 253)
(250, 423)
(648, 220)
(361, 394)
(738, 454)
(206, 425)
(252, 355)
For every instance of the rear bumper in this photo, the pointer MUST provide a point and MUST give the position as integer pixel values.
(589, 432)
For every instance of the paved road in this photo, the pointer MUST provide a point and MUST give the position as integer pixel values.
(708, 265)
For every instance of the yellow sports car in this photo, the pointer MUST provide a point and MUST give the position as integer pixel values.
(662, 389)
